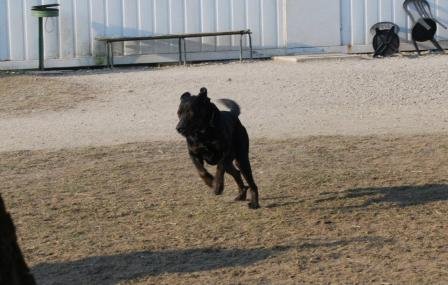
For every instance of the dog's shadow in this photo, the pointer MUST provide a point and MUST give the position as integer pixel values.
(114, 269)
(401, 196)
(270, 202)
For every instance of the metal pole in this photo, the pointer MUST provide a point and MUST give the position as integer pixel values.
(180, 51)
(41, 44)
(111, 55)
(107, 54)
(241, 47)
(185, 51)
(250, 45)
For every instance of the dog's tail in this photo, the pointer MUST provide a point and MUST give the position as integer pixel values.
(232, 105)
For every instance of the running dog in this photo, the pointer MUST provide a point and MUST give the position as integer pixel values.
(218, 138)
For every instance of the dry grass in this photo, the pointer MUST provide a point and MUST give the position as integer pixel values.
(334, 210)
(24, 94)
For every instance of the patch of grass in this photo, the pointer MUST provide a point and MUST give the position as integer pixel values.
(25, 94)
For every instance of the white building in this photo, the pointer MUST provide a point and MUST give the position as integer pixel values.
(278, 26)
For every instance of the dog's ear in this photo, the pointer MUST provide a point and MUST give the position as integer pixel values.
(185, 96)
(203, 92)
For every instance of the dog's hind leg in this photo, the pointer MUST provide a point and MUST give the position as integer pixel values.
(230, 168)
(218, 182)
(203, 173)
(244, 166)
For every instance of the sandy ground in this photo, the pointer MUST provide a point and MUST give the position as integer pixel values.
(278, 100)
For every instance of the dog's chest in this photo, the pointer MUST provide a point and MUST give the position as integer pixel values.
(210, 151)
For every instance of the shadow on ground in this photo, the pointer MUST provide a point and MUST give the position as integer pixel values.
(401, 196)
(371, 241)
(128, 266)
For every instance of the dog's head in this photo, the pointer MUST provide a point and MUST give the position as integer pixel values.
(196, 113)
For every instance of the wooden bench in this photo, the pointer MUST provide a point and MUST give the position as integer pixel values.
(181, 37)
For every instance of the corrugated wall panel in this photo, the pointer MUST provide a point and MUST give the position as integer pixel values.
(269, 23)
(82, 24)
(4, 26)
(401, 19)
(238, 18)
(442, 14)
(97, 28)
(281, 23)
(67, 31)
(114, 22)
(51, 34)
(253, 15)
(16, 30)
(71, 36)
(31, 35)
(372, 17)
(386, 10)
(131, 25)
(357, 11)
(193, 23)
(147, 22)
(223, 19)
(162, 25)
(208, 24)
(346, 30)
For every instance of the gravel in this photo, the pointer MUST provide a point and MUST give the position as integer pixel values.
(403, 95)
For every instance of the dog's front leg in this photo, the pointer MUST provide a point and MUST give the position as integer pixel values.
(203, 173)
(218, 183)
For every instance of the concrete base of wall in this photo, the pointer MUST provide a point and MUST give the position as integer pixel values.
(201, 56)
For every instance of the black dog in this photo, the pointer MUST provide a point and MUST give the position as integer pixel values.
(219, 138)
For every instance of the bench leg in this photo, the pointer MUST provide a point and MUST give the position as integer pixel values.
(107, 55)
(180, 51)
(250, 46)
(185, 51)
(111, 55)
(241, 47)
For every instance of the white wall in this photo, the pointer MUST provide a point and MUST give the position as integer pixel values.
(278, 26)
(306, 30)
(69, 39)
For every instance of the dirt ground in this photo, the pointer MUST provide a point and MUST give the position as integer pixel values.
(350, 158)
(26, 94)
(335, 210)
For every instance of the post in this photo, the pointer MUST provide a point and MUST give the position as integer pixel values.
(241, 47)
(180, 51)
(250, 45)
(41, 44)
(185, 51)
(111, 55)
(107, 54)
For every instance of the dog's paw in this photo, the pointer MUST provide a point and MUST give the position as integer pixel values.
(209, 183)
(253, 205)
(240, 197)
(218, 190)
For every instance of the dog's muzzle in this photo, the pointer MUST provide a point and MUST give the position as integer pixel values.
(181, 129)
